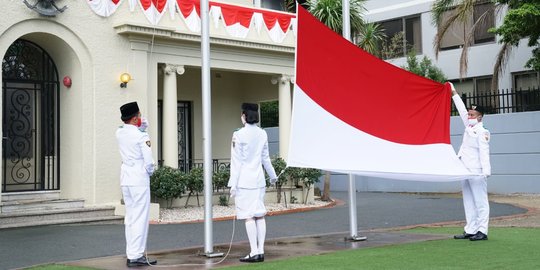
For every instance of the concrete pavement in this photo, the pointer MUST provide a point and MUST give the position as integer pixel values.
(29, 246)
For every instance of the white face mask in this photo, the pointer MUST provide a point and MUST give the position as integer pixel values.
(243, 119)
(473, 121)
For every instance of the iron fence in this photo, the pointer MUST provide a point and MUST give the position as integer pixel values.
(504, 101)
(189, 164)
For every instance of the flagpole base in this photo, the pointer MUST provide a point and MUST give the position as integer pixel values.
(356, 238)
(213, 254)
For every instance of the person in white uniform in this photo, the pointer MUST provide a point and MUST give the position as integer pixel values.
(474, 153)
(249, 154)
(137, 166)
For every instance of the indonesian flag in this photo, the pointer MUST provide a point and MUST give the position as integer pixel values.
(354, 113)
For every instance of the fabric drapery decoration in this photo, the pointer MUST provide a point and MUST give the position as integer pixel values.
(104, 8)
(354, 113)
(237, 20)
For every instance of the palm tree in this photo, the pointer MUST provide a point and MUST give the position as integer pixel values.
(329, 12)
(370, 37)
(459, 12)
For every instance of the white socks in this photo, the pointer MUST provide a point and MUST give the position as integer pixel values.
(251, 229)
(261, 233)
(256, 231)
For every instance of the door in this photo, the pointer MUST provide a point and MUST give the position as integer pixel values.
(30, 126)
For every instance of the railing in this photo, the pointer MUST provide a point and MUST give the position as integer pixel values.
(504, 101)
(187, 165)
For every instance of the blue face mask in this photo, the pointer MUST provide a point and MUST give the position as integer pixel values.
(473, 121)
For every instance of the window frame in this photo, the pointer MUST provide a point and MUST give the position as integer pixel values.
(525, 72)
(403, 21)
(466, 29)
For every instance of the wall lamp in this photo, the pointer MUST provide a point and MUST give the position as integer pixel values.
(124, 78)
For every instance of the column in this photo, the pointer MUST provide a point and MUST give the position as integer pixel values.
(170, 115)
(285, 110)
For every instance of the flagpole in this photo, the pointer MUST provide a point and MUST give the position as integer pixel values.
(352, 181)
(207, 130)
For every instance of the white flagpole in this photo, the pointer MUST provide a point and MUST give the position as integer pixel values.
(352, 182)
(207, 130)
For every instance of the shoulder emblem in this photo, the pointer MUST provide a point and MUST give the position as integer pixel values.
(148, 143)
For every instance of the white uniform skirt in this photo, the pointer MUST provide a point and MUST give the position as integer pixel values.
(249, 203)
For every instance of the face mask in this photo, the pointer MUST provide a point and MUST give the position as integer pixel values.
(473, 121)
(243, 119)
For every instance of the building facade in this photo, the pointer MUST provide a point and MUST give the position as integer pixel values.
(61, 87)
(414, 19)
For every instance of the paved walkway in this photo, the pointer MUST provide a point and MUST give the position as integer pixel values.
(29, 246)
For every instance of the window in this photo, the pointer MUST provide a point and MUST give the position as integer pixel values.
(527, 92)
(402, 36)
(481, 34)
(271, 4)
(477, 91)
(269, 114)
(526, 81)
(456, 33)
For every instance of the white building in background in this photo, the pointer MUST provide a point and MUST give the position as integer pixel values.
(61, 85)
(414, 18)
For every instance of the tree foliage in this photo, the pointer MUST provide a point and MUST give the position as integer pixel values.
(522, 21)
(168, 184)
(424, 68)
(329, 12)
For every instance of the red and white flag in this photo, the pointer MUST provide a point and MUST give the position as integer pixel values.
(354, 113)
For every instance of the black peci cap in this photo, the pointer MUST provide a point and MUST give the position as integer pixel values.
(478, 108)
(129, 110)
(250, 107)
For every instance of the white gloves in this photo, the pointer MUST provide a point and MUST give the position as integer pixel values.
(452, 86)
(273, 181)
(144, 124)
(233, 192)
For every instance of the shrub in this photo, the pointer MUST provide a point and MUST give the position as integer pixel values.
(279, 165)
(293, 199)
(194, 184)
(309, 177)
(168, 184)
(220, 178)
(224, 200)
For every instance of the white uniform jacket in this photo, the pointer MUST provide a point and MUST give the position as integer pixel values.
(137, 162)
(249, 153)
(474, 150)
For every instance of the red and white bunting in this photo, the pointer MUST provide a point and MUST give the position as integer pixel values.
(237, 20)
(154, 9)
(104, 8)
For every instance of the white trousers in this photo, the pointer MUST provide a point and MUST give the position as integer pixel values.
(137, 202)
(476, 204)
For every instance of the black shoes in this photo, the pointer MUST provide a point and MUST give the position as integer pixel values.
(478, 236)
(253, 259)
(142, 261)
(463, 236)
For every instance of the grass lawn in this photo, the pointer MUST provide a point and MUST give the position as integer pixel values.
(507, 248)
